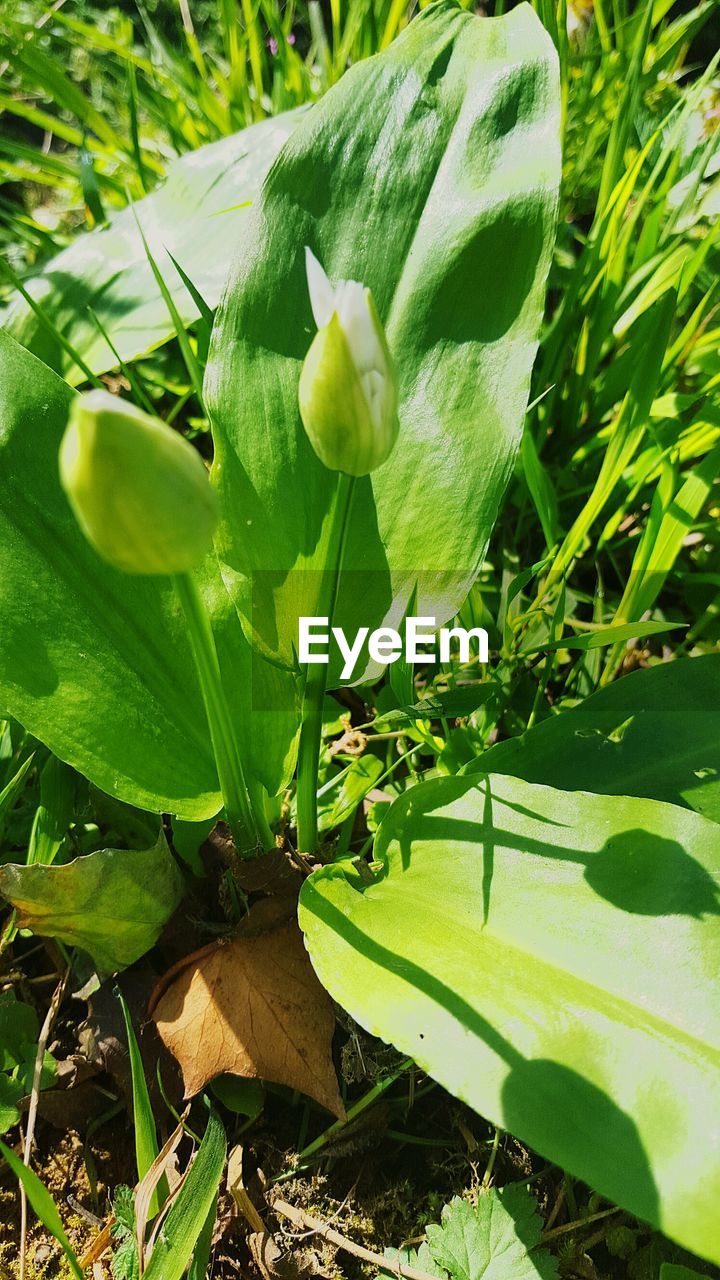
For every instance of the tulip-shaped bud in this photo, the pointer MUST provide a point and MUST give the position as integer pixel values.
(348, 390)
(140, 492)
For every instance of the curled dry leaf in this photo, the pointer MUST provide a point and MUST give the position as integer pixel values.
(252, 1007)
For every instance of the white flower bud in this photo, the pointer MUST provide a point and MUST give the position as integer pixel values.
(140, 492)
(348, 390)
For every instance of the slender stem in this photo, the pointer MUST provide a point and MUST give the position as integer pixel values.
(317, 673)
(236, 799)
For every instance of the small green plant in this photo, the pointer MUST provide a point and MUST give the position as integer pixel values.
(500, 1233)
(125, 1264)
(19, 1030)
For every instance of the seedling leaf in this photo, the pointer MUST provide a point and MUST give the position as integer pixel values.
(495, 1238)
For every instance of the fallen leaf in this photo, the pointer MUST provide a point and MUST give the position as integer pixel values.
(252, 1007)
(271, 873)
(113, 903)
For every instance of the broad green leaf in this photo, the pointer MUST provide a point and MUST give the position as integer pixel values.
(492, 1238)
(654, 733)
(112, 903)
(96, 663)
(44, 1206)
(551, 958)
(203, 201)
(186, 1221)
(430, 173)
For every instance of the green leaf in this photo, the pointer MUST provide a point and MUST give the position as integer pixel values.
(19, 1030)
(551, 959)
(146, 1145)
(203, 1249)
(492, 1238)
(203, 201)
(430, 173)
(11, 792)
(125, 1265)
(11, 1091)
(605, 636)
(187, 1217)
(358, 782)
(676, 1271)
(454, 704)
(124, 1210)
(112, 903)
(96, 663)
(44, 1206)
(653, 733)
(241, 1096)
(54, 813)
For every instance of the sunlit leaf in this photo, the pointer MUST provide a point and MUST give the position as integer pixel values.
(551, 958)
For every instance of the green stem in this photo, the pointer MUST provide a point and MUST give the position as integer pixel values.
(317, 673)
(236, 799)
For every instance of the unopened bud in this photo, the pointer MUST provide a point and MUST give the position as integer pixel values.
(348, 390)
(140, 492)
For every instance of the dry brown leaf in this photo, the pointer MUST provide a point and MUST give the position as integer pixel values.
(252, 1007)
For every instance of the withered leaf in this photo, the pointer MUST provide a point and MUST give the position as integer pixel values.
(252, 1007)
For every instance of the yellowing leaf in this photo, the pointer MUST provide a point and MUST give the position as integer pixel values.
(112, 903)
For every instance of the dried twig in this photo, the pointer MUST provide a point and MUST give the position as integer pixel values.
(34, 1100)
(305, 1220)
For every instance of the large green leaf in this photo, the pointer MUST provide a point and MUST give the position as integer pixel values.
(203, 202)
(112, 903)
(551, 958)
(430, 173)
(95, 663)
(654, 733)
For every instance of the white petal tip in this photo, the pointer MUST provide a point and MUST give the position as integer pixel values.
(322, 294)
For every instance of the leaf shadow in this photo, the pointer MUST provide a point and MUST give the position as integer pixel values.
(635, 870)
(549, 1106)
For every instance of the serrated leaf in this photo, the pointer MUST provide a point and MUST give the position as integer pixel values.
(492, 1239)
(125, 1264)
(124, 1210)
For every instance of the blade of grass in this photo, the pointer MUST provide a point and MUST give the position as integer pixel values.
(44, 1206)
(146, 1143)
(188, 1214)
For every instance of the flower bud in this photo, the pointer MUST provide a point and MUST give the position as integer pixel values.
(348, 390)
(140, 492)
